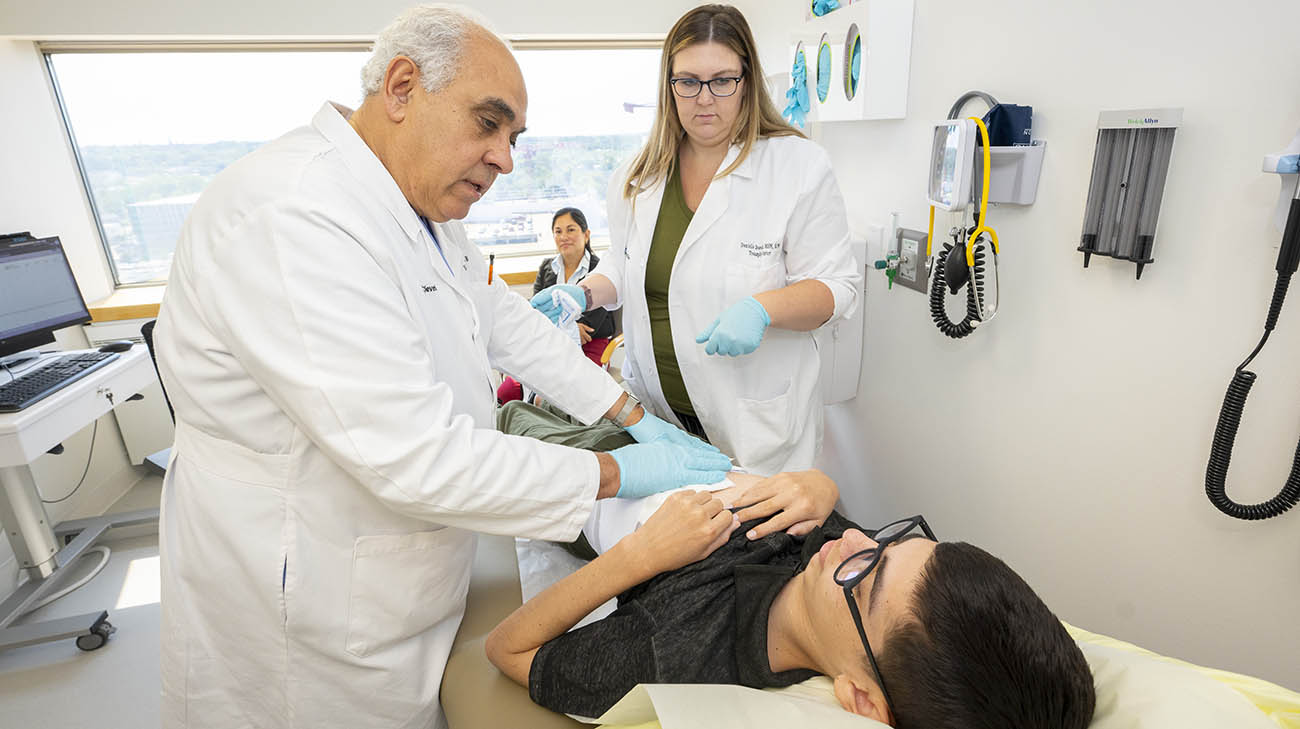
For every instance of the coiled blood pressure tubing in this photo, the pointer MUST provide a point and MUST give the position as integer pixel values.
(1225, 433)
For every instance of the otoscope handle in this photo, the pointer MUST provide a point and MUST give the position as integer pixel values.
(1288, 255)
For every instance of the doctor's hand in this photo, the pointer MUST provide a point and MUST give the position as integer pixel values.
(650, 429)
(795, 501)
(738, 330)
(545, 303)
(686, 529)
(648, 468)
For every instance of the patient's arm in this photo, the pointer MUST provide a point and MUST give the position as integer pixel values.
(687, 528)
(796, 502)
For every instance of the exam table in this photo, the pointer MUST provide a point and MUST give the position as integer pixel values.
(475, 695)
(1136, 689)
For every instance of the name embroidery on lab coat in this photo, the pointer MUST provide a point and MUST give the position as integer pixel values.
(761, 250)
(429, 289)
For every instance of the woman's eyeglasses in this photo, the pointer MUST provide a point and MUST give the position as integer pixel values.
(689, 88)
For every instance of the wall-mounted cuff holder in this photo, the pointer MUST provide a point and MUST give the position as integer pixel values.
(1013, 173)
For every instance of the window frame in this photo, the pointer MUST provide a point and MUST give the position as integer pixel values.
(360, 43)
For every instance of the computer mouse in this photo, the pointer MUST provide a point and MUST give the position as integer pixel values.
(120, 345)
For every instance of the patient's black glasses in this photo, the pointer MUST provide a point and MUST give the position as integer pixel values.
(689, 88)
(855, 569)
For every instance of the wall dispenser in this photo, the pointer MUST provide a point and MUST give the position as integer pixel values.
(1129, 168)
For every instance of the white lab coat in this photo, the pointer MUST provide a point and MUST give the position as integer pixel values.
(777, 219)
(335, 443)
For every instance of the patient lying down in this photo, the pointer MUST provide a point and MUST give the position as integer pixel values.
(958, 639)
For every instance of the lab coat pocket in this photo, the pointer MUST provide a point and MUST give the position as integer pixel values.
(632, 380)
(405, 584)
(763, 429)
(746, 278)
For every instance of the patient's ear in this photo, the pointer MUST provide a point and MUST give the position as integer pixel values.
(862, 699)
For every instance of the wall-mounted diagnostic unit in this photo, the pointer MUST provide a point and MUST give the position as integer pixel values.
(1287, 166)
(1129, 168)
(952, 161)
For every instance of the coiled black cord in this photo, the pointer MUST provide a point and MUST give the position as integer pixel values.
(974, 295)
(1225, 434)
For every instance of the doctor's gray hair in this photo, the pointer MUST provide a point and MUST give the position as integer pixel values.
(433, 36)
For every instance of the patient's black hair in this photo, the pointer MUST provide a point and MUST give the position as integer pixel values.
(982, 651)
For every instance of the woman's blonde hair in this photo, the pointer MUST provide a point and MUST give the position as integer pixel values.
(758, 115)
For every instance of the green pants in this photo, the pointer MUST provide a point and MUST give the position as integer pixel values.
(550, 424)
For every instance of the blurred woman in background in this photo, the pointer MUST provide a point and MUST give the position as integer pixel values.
(574, 260)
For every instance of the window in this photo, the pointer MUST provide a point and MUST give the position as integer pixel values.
(588, 111)
(152, 128)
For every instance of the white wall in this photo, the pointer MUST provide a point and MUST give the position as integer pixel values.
(1071, 435)
(40, 189)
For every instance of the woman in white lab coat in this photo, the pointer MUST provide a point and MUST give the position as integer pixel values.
(729, 245)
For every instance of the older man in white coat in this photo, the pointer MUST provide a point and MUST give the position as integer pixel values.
(327, 339)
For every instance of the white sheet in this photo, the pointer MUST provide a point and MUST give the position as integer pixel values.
(719, 706)
(613, 519)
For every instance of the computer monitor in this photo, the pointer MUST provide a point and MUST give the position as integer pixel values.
(16, 237)
(37, 294)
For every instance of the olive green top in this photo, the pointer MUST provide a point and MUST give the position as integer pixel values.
(670, 228)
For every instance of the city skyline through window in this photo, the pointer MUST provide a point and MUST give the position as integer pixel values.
(147, 155)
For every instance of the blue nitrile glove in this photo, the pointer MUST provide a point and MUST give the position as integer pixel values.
(648, 468)
(823, 71)
(821, 7)
(545, 303)
(650, 429)
(797, 105)
(739, 329)
(855, 65)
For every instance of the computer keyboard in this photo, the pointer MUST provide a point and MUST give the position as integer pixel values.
(49, 378)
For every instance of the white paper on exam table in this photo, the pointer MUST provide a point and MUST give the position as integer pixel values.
(542, 564)
(720, 706)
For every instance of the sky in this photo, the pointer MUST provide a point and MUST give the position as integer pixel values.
(196, 98)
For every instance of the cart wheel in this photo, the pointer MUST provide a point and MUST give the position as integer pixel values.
(97, 637)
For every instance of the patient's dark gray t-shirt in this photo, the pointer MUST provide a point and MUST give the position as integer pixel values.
(703, 623)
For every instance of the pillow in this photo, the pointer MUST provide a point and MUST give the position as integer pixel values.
(1136, 689)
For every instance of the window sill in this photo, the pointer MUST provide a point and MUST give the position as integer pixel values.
(133, 302)
(519, 279)
(142, 302)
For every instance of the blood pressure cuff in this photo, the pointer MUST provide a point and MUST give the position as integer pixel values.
(1009, 125)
